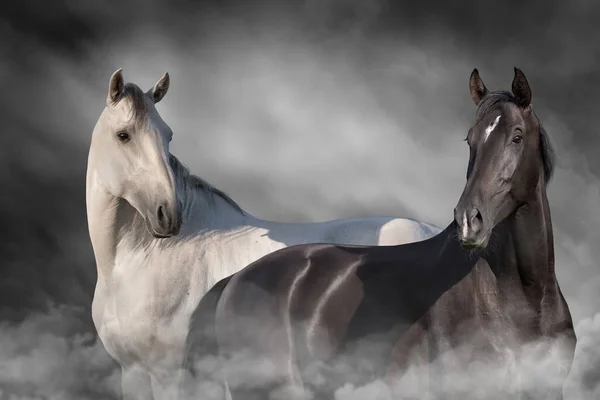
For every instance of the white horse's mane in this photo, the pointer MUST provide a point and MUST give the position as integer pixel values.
(189, 185)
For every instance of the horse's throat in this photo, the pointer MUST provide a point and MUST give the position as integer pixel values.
(111, 221)
(533, 242)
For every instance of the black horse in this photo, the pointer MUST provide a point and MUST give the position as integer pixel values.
(313, 317)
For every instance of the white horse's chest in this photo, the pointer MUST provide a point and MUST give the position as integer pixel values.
(142, 314)
(140, 318)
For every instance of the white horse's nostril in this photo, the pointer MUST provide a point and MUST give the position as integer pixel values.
(162, 216)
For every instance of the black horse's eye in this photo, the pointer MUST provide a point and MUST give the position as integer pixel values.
(518, 138)
(123, 137)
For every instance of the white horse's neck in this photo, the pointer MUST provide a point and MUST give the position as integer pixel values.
(204, 211)
(115, 226)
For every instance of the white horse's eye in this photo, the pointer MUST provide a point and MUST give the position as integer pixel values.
(123, 137)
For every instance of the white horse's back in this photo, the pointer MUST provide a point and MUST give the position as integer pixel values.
(378, 231)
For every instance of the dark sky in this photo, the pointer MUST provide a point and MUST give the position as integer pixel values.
(301, 111)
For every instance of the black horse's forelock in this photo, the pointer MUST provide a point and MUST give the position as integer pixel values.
(489, 102)
(492, 100)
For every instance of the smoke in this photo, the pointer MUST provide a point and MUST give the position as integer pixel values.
(539, 369)
(301, 111)
(45, 357)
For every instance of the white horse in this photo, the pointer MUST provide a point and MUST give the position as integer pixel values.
(163, 237)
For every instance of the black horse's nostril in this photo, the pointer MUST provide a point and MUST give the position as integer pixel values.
(476, 220)
(478, 217)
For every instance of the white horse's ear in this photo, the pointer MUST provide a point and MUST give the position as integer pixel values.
(160, 89)
(116, 86)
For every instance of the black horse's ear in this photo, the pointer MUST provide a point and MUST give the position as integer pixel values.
(115, 86)
(478, 89)
(521, 89)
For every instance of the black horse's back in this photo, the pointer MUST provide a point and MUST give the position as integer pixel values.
(319, 304)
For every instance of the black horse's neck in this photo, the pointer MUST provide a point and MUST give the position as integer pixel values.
(521, 255)
(400, 283)
(522, 245)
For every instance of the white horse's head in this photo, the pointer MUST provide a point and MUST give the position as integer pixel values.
(130, 146)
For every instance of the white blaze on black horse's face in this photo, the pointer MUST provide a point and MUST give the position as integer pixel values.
(504, 159)
(131, 148)
(491, 127)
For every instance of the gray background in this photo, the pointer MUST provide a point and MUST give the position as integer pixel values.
(301, 111)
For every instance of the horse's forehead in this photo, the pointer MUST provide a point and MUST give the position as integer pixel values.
(502, 115)
(114, 116)
(129, 113)
(128, 110)
(512, 113)
(121, 111)
(125, 108)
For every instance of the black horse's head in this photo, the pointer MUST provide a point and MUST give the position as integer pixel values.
(508, 155)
